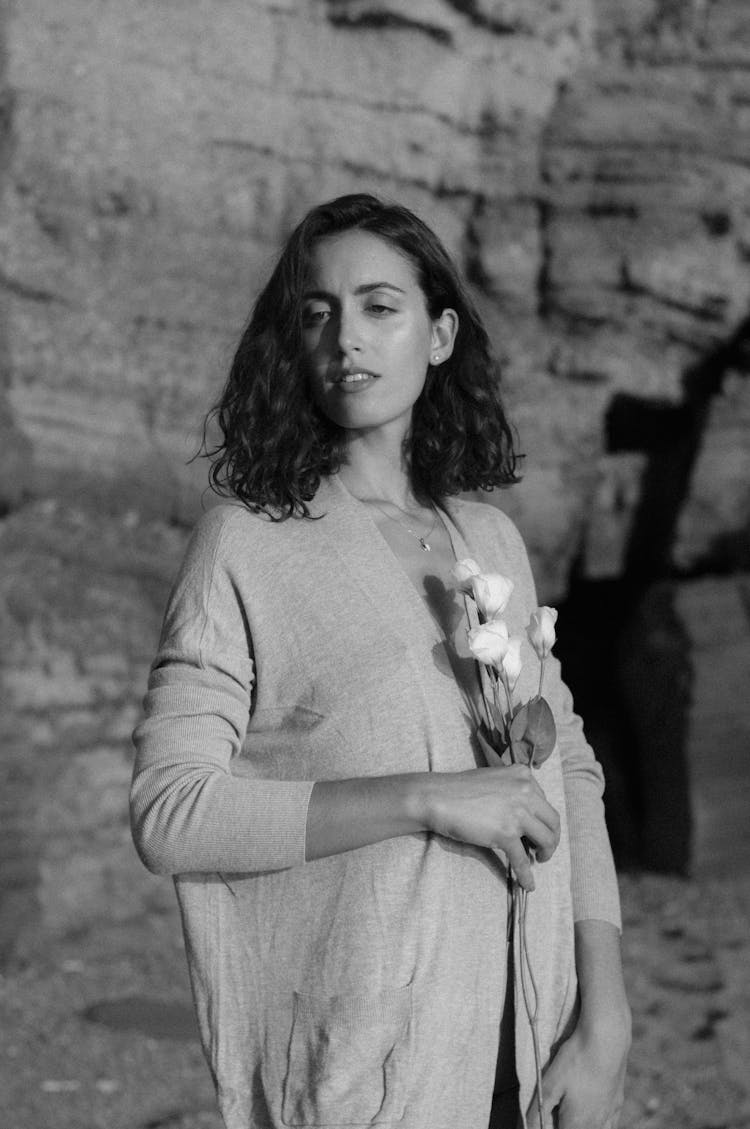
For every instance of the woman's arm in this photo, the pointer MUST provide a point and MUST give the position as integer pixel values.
(604, 1005)
(487, 807)
(190, 812)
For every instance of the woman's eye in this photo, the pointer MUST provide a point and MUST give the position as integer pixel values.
(380, 310)
(314, 317)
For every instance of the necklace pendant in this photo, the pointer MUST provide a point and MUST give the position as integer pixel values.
(424, 545)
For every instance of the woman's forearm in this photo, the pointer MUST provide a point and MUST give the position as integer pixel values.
(486, 807)
(345, 814)
(600, 978)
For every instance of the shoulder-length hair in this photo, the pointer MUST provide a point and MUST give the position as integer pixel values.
(277, 443)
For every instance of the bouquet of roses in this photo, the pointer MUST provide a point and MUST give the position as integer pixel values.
(512, 732)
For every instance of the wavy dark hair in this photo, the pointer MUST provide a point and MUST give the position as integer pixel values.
(277, 443)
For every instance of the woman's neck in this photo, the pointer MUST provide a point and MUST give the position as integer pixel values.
(374, 473)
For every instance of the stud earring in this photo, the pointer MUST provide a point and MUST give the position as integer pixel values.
(435, 358)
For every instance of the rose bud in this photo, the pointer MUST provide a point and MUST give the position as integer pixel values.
(463, 571)
(541, 631)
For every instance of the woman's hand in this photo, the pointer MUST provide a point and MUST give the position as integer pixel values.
(585, 1080)
(497, 808)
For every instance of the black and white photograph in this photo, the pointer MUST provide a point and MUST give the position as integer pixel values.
(374, 564)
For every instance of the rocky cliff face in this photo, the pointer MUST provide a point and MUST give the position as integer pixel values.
(587, 164)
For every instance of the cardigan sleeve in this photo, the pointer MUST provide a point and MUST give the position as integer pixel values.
(188, 812)
(594, 886)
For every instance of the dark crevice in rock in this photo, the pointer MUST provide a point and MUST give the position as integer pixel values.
(713, 310)
(625, 650)
(543, 288)
(440, 190)
(113, 202)
(477, 18)
(339, 16)
(586, 376)
(552, 305)
(625, 660)
(609, 209)
(259, 150)
(474, 270)
(588, 625)
(32, 293)
(672, 437)
(342, 14)
(634, 423)
(717, 223)
(7, 109)
(487, 126)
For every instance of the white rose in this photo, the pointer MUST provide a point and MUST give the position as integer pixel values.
(489, 642)
(491, 592)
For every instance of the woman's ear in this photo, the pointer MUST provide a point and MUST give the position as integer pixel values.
(444, 330)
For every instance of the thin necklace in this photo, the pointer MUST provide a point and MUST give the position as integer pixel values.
(422, 539)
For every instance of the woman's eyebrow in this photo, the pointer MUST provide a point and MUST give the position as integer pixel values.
(365, 288)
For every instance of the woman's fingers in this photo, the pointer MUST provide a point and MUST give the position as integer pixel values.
(539, 822)
(553, 1090)
(520, 864)
(543, 835)
(503, 808)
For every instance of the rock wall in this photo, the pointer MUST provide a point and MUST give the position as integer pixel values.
(587, 165)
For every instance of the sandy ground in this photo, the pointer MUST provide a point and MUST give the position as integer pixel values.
(686, 957)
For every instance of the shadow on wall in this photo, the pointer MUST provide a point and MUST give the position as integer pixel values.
(626, 653)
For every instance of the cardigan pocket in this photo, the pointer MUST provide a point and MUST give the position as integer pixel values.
(349, 1058)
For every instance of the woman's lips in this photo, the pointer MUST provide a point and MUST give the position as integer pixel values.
(355, 381)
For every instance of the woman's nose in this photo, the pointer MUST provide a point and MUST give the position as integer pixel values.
(349, 338)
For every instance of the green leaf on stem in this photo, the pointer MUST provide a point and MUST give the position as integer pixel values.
(519, 723)
(519, 752)
(533, 733)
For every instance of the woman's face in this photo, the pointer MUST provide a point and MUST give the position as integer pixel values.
(368, 336)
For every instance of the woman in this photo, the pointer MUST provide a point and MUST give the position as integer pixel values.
(308, 767)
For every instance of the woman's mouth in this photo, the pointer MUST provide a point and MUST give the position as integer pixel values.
(355, 381)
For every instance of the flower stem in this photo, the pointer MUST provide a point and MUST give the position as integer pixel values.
(508, 695)
(496, 695)
(541, 676)
(530, 994)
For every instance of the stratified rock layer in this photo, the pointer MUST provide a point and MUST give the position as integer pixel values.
(587, 166)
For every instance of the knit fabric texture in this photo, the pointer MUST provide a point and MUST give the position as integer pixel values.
(365, 988)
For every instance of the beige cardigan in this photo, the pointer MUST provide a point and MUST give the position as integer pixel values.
(365, 988)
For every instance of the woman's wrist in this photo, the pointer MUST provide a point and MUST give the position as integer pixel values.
(422, 799)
